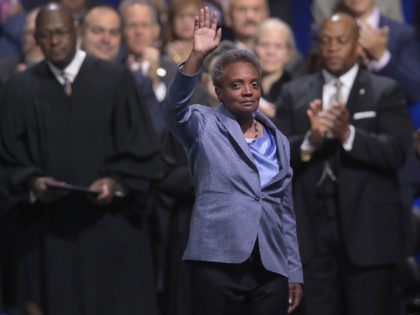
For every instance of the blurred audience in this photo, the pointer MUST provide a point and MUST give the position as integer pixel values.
(31, 51)
(321, 9)
(390, 48)
(244, 17)
(179, 28)
(274, 47)
(9, 8)
(101, 35)
(11, 34)
(77, 7)
(101, 32)
(141, 32)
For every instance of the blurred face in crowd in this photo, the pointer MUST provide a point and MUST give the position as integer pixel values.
(339, 46)
(101, 33)
(208, 82)
(74, 6)
(140, 28)
(272, 47)
(240, 91)
(184, 21)
(31, 50)
(56, 34)
(246, 15)
(360, 7)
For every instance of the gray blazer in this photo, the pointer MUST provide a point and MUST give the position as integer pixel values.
(231, 209)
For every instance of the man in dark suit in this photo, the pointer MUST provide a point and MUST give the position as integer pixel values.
(141, 31)
(391, 47)
(349, 130)
(77, 120)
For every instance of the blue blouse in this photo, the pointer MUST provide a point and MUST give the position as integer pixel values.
(264, 151)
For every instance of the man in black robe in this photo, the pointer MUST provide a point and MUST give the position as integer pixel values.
(76, 120)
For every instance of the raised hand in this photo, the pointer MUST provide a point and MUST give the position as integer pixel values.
(206, 39)
(206, 35)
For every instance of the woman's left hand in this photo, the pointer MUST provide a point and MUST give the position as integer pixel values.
(295, 296)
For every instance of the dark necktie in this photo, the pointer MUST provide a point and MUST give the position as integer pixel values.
(67, 83)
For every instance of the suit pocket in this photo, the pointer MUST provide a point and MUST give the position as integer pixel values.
(364, 115)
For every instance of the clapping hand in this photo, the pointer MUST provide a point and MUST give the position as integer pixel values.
(334, 120)
(374, 40)
(339, 119)
(319, 123)
(206, 39)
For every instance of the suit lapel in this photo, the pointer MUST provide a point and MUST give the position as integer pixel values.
(234, 130)
(358, 93)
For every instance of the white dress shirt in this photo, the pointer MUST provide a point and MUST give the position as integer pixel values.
(328, 92)
(71, 70)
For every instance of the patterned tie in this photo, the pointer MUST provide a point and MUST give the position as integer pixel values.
(327, 172)
(337, 96)
(67, 83)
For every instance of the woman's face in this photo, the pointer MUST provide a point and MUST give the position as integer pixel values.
(272, 49)
(240, 91)
(184, 22)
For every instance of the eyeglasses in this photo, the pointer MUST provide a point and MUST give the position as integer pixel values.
(58, 33)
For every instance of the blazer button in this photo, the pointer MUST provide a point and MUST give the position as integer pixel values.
(257, 198)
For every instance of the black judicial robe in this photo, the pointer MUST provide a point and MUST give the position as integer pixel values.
(73, 257)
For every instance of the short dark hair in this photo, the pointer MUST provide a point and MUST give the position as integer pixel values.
(233, 56)
(100, 6)
(124, 4)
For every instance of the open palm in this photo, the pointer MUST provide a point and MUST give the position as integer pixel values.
(206, 35)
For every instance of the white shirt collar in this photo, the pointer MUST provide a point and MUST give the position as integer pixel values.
(373, 19)
(346, 79)
(72, 69)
